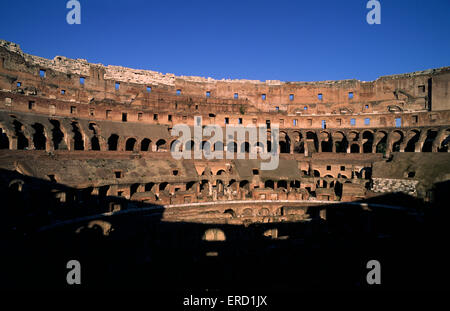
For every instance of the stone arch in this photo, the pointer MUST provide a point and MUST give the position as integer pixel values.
(176, 146)
(130, 144)
(214, 234)
(429, 140)
(245, 147)
(326, 142)
(95, 143)
(57, 135)
(161, 145)
(22, 141)
(113, 142)
(232, 147)
(310, 135)
(381, 142)
(146, 144)
(368, 139)
(316, 173)
(340, 142)
(190, 145)
(78, 140)
(284, 142)
(412, 139)
(354, 148)
(396, 138)
(269, 184)
(221, 172)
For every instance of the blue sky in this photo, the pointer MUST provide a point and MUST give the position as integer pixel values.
(262, 40)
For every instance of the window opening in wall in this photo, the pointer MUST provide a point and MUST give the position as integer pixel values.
(305, 108)
(155, 117)
(352, 121)
(63, 92)
(178, 92)
(255, 171)
(124, 117)
(268, 124)
(81, 80)
(398, 122)
(118, 174)
(208, 94)
(415, 119)
(175, 172)
(51, 177)
(367, 121)
(294, 122)
(319, 96)
(291, 97)
(73, 109)
(277, 108)
(227, 120)
(117, 85)
(196, 107)
(411, 174)
(324, 124)
(42, 73)
(342, 168)
(240, 121)
(149, 89)
(30, 105)
(338, 121)
(236, 95)
(91, 112)
(19, 84)
(350, 95)
(263, 96)
(328, 167)
(108, 114)
(366, 107)
(422, 88)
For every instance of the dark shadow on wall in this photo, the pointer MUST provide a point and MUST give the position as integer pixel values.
(140, 250)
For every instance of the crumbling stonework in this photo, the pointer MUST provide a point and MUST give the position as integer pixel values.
(105, 131)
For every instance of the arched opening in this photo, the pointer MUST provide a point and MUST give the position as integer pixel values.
(398, 139)
(299, 147)
(22, 141)
(428, 144)
(145, 144)
(340, 142)
(284, 143)
(95, 144)
(269, 184)
(133, 189)
(220, 172)
(161, 145)
(57, 134)
(190, 185)
(112, 142)
(313, 136)
(411, 145)
(295, 184)
(163, 186)
(326, 144)
(368, 145)
(4, 141)
(244, 184)
(282, 184)
(354, 148)
(316, 173)
(149, 186)
(77, 137)
(269, 146)
(39, 139)
(129, 144)
(230, 212)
